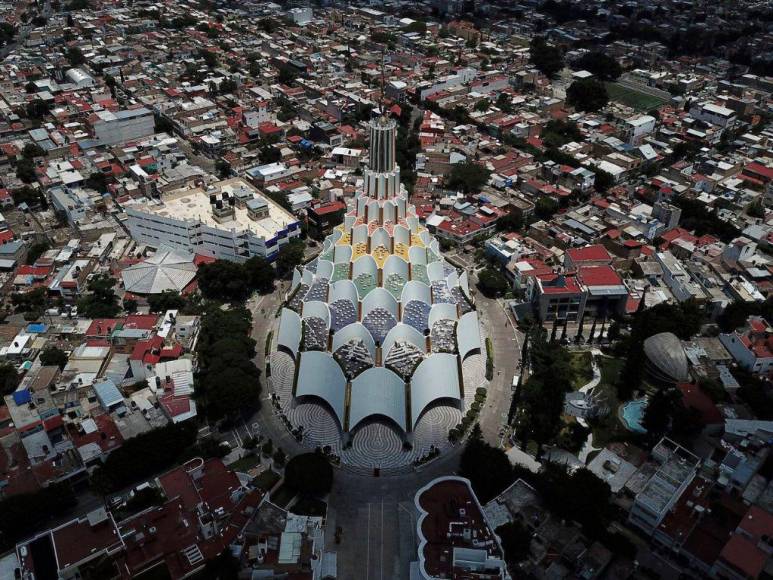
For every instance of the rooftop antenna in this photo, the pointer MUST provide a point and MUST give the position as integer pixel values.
(381, 97)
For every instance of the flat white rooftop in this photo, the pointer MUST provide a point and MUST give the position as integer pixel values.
(193, 205)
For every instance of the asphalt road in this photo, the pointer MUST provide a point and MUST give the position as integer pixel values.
(507, 342)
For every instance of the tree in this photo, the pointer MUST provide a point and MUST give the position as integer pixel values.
(290, 256)
(75, 56)
(515, 542)
(163, 125)
(223, 280)
(166, 300)
(287, 74)
(487, 467)
(560, 489)
(468, 177)
(32, 150)
(416, 26)
(542, 397)
(101, 302)
(604, 67)
(756, 209)
(491, 282)
(54, 356)
(603, 180)
(558, 132)
(504, 103)
(36, 109)
(260, 274)
(210, 58)
(228, 390)
(36, 250)
(309, 474)
(31, 301)
(21, 515)
(144, 455)
(223, 168)
(667, 414)
(588, 95)
(9, 379)
(228, 382)
(546, 57)
(482, 105)
(25, 170)
(545, 207)
(97, 181)
(512, 222)
(130, 305)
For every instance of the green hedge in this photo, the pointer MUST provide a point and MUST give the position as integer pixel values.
(489, 359)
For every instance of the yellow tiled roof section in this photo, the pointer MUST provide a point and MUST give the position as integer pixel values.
(401, 250)
(345, 240)
(380, 254)
(359, 250)
(416, 241)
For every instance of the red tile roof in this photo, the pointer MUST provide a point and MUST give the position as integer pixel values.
(594, 253)
(599, 276)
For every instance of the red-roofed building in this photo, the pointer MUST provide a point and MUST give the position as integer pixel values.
(756, 172)
(694, 398)
(102, 327)
(751, 346)
(556, 296)
(206, 510)
(324, 217)
(747, 552)
(456, 540)
(595, 255)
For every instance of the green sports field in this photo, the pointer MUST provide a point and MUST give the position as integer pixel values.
(632, 98)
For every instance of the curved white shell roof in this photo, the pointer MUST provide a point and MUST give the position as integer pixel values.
(436, 377)
(324, 269)
(290, 331)
(377, 391)
(442, 312)
(468, 334)
(316, 308)
(379, 298)
(342, 254)
(343, 289)
(380, 279)
(351, 331)
(403, 332)
(415, 290)
(321, 376)
(296, 279)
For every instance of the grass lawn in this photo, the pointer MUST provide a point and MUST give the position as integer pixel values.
(582, 368)
(309, 506)
(632, 98)
(266, 480)
(282, 496)
(610, 369)
(608, 428)
(245, 463)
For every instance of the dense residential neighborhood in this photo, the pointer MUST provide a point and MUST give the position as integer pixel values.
(365, 290)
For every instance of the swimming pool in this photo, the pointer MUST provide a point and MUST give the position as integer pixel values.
(632, 415)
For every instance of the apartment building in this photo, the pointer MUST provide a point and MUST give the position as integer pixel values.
(113, 128)
(210, 223)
